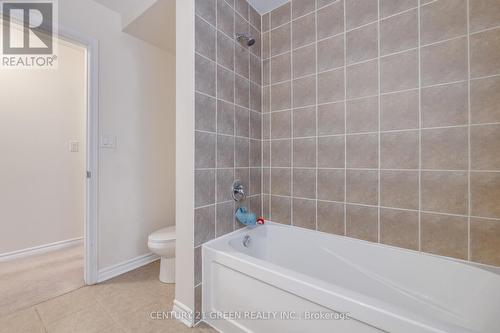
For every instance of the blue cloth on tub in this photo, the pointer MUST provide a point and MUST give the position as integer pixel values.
(245, 217)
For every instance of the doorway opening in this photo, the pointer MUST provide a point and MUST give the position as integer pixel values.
(48, 176)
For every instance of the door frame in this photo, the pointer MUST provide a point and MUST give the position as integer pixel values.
(92, 150)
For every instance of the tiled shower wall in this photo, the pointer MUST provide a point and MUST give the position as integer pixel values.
(381, 121)
(228, 118)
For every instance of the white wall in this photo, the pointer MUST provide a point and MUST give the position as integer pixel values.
(184, 272)
(41, 181)
(136, 104)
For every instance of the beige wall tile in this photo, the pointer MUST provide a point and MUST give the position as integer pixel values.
(399, 71)
(266, 45)
(330, 20)
(204, 38)
(241, 91)
(225, 51)
(281, 210)
(241, 7)
(281, 181)
(331, 53)
(445, 148)
(444, 235)
(206, 9)
(485, 241)
(485, 147)
(360, 12)
(281, 15)
(224, 218)
(304, 213)
(399, 150)
(399, 110)
(225, 18)
(204, 150)
(281, 125)
(444, 192)
(399, 228)
(281, 153)
(302, 7)
(304, 91)
(304, 153)
(204, 188)
(204, 76)
(399, 189)
(331, 152)
(331, 119)
(304, 183)
(362, 222)
(281, 68)
(205, 113)
(484, 14)
(362, 115)
(362, 43)
(331, 217)
(304, 122)
(303, 31)
(281, 41)
(391, 7)
(445, 105)
(399, 33)
(242, 146)
(362, 151)
(331, 86)
(485, 100)
(225, 84)
(225, 151)
(304, 61)
(204, 225)
(362, 187)
(444, 62)
(485, 53)
(281, 96)
(443, 19)
(225, 178)
(485, 194)
(362, 79)
(331, 185)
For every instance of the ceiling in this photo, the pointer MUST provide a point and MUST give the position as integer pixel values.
(150, 20)
(264, 6)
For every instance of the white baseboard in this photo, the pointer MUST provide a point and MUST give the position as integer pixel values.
(40, 249)
(183, 313)
(126, 266)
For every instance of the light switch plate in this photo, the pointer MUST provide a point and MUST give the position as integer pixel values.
(108, 142)
(74, 146)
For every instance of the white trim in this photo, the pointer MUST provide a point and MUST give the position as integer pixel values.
(125, 266)
(92, 154)
(40, 249)
(183, 313)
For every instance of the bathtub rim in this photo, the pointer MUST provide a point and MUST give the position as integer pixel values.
(369, 311)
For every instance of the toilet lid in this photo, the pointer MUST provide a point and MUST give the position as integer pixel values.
(165, 234)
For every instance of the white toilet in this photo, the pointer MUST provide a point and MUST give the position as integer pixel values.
(162, 243)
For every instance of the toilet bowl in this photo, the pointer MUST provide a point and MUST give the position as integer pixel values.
(162, 243)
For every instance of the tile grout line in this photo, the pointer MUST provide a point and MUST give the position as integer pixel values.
(379, 134)
(345, 118)
(292, 215)
(419, 129)
(469, 208)
(316, 113)
(270, 125)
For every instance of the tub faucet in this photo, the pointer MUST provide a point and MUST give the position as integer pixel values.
(246, 240)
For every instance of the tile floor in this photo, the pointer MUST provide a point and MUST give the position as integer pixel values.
(122, 304)
(34, 279)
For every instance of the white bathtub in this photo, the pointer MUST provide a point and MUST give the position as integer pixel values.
(288, 272)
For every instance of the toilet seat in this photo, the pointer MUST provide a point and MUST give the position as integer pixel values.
(165, 235)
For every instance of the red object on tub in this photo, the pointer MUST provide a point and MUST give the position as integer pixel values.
(260, 220)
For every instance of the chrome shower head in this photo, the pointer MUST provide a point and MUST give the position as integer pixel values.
(245, 38)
